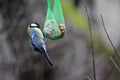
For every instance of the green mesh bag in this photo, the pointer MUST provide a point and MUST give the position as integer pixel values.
(53, 19)
(58, 13)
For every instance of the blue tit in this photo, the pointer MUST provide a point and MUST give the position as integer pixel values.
(37, 40)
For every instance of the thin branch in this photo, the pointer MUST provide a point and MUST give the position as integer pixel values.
(109, 37)
(115, 64)
(112, 46)
(93, 56)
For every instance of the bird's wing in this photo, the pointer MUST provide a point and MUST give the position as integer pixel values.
(46, 55)
(39, 44)
(36, 39)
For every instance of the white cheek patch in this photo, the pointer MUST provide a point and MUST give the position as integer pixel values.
(33, 24)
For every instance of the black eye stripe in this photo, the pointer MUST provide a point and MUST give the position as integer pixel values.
(34, 26)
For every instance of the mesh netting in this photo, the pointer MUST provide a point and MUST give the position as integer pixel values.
(57, 11)
(52, 27)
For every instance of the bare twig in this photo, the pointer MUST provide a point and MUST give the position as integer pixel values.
(115, 51)
(115, 63)
(93, 56)
(109, 38)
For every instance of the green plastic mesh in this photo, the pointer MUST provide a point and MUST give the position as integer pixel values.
(53, 19)
(58, 13)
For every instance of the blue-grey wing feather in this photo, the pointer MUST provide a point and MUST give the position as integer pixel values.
(46, 56)
(37, 41)
(39, 45)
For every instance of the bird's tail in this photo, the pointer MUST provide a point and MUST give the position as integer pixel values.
(47, 57)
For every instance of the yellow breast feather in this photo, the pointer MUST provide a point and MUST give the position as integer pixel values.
(39, 31)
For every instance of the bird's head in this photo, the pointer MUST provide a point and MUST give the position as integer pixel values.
(34, 25)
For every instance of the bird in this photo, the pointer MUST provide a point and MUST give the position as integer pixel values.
(37, 40)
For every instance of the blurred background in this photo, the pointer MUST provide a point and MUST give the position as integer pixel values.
(72, 55)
